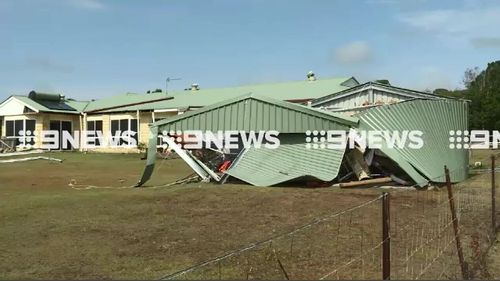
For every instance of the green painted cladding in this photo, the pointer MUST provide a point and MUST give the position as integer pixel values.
(251, 113)
(435, 118)
(291, 160)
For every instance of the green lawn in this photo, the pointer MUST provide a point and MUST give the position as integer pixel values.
(52, 231)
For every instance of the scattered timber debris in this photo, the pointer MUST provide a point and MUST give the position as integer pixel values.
(36, 151)
(7, 145)
(369, 182)
(30, 159)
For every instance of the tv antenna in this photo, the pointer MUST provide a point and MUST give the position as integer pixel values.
(168, 81)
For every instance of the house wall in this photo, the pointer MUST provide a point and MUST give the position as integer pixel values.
(42, 122)
(12, 107)
(145, 118)
(387, 98)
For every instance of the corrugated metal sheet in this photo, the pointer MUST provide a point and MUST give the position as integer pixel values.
(252, 113)
(291, 160)
(435, 118)
(295, 90)
(77, 105)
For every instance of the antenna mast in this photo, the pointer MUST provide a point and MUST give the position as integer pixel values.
(168, 81)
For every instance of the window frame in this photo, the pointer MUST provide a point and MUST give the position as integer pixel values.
(96, 141)
(16, 134)
(119, 122)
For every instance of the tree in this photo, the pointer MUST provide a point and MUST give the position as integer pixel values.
(383, 81)
(470, 75)
(484, 92)
(482, 88)
(458, 94)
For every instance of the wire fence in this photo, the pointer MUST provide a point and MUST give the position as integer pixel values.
(349, 244)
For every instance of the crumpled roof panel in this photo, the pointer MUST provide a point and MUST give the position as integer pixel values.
(435, 118)
(291, 160)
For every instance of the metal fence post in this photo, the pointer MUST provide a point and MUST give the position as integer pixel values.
(451, 200)
(493, 196)
(386, 242)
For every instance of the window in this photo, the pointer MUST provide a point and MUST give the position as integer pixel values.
(62, 126)
(94, 126)
(18, 129)
(123, 125)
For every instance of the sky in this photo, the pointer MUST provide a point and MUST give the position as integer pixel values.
(89, 49)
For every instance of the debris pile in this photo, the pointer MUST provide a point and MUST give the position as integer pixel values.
(7, 145)
(293, 160)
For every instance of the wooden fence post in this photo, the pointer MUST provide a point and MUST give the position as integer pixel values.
(463, 265)
(386, 238)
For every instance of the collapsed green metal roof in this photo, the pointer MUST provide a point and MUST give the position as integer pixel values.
(265, 167)
(435, 118)
(252, 113)
(291, 160)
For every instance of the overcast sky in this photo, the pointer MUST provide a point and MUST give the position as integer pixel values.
(95, 48)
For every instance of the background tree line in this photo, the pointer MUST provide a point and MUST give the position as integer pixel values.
(482, 88)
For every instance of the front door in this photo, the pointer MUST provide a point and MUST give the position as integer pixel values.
(62, 126)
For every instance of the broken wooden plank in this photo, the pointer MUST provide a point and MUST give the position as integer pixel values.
(365, 182)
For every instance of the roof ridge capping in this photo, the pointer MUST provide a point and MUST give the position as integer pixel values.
(350, 121)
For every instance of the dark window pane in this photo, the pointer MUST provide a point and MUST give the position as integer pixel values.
(123, 128)
(90, 125)
(124, 125)
(9, 128)
(133, 128)
(115, 126)
(30, 127)
(18, 126)
(98, 125)
(90, 128)
(55, 125)
(66, 127)
(98, 128)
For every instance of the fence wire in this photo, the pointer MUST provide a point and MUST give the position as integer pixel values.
(342, 245)
(348, 244)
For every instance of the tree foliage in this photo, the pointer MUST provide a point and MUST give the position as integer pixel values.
(483, 90)
(383, 81)
(469, 76)
(484, 93)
